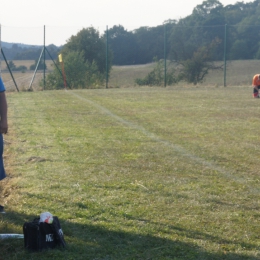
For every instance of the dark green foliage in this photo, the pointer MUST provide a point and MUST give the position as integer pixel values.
(21, 68)
(239, 50)
(123, 45)
(92, 45)
(139, 46)
(29, 52)
(84, 59)
(196, 67)
(78, 73)
(41, 65)
(193, 67)
(199, 29)
(150, 42)
(156, 76)
(13, 67)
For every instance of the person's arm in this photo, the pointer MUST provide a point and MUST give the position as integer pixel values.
(254, 82)
(3, 113)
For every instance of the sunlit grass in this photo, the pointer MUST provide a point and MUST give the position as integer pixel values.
(136, 173)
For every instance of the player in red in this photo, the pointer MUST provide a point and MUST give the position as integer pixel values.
(256, 85)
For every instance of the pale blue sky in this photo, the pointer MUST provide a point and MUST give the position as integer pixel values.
(23, 21)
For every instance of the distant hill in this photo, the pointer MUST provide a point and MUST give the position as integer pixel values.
(20, 51)
(9, 45)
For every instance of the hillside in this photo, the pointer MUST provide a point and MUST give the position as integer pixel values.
(9, 45)
(239, 73)
(20, 51)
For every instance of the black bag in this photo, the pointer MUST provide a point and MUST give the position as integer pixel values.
(40, 235)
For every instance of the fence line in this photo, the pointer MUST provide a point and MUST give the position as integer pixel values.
(44, 33)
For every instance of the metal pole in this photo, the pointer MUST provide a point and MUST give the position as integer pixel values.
(44, 58)
(107, 58)
(164, 55)
(36, 69)
(9, 69)
(225, 58)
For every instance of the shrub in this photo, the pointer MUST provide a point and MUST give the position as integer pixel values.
(156, 76)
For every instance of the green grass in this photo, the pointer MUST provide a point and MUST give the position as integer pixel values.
(136, 173)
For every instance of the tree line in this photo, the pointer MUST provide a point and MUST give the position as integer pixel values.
(193, 43)
(206, 23)
(235, 26)
(28, 52)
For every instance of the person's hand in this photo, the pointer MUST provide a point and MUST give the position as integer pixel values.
(3, 127)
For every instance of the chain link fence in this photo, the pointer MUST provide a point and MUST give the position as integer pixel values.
(239, 63)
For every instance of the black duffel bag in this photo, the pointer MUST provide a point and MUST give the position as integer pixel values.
(39, 236)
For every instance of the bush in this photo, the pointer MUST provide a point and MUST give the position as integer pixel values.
(156, 76)
(41, 65)
(21, 68)
(78, 73)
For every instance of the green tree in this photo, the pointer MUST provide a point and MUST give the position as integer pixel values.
(194, 69)
(239, 50)
(11, 65)
(148, 39)
(78, 73)
(207, 8)
(92, 46)
(41, 65)
(123, 46)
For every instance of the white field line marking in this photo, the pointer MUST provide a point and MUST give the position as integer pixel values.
(177, 148)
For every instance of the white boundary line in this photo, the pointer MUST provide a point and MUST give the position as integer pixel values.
(177, 148)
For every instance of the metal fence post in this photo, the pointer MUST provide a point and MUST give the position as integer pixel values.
(164, 55)
(225, 54)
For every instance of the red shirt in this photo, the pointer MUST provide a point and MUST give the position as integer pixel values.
(256, 80)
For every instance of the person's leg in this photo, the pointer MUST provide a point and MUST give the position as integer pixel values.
(256, 92)
(2, 209)
(2, 169)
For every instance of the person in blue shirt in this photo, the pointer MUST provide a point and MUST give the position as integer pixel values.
(3, 130)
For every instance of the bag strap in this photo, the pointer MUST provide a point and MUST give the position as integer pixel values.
(57, 231)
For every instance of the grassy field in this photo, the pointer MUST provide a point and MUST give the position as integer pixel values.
(135, 173)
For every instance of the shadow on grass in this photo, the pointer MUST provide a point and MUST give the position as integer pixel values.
(97, 243)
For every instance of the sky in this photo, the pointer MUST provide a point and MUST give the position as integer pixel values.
(55, 21)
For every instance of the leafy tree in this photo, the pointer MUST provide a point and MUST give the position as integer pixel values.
(78, 73)
(84, 58)
(92, 46)
(194, 69)
(123, 46)
(53, 51)
(207, 8)
(21, 68)
(150, 42)
(41, 65)
(11, 65)
(239, 50)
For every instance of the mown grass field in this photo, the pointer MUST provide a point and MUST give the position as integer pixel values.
(135, 173)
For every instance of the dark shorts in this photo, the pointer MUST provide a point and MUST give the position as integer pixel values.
(255, 90)
(2, 169)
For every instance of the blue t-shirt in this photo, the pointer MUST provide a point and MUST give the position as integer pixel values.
(2, 87)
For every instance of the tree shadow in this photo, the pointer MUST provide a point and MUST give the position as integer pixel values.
(99, 243)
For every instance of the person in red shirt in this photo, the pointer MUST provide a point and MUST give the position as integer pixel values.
(256, 85)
